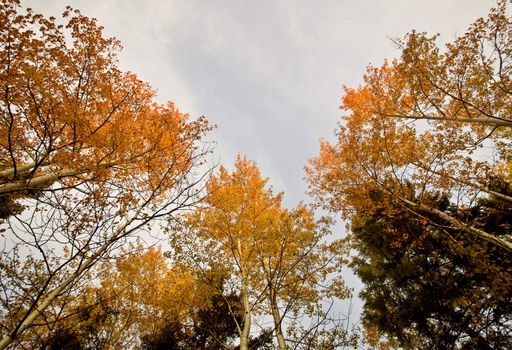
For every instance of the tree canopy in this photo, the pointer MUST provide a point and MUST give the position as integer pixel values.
(94, 172)
(463, 94)
(275, 259)
(430, 286)
(420, 168)
(87, 158)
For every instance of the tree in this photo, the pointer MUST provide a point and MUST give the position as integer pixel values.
(427, 121)
(70, 115)
(297, 266)
(274, 259)
(139, 302)
(87, 159)
(425, 143)
(146, 294)
(226, 232)
(212, 327)
(432, 287)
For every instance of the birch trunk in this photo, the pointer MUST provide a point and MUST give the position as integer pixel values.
(246, 331)
(278, 330)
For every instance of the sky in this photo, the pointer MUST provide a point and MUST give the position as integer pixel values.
(269, 74)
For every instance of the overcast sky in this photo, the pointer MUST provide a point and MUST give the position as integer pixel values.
(268, 73)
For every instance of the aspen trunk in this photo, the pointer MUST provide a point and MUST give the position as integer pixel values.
(39, 309)
(244, 294)
(276, 315)
(43, 180)
(497, 241)
(246, 331)
(278, 330)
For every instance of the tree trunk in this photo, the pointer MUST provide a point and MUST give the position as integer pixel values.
(36, 182)
(485, 121)
(246, 331)
(275, 309)
(244, 294)
(496, 241)
(277, 322)
(40, 308)
(8, 173)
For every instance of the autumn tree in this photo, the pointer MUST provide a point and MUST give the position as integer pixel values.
(301, 271)
(146, 294)
(432, 120)
(87, 159)
(275, 259)
(424, 144)
(140, 301)
(209, 326)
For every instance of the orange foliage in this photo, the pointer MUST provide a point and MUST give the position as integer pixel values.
(70, 112)
(429, 122)
(275, 258)
(85, 151)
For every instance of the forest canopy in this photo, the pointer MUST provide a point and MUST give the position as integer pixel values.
(117, 231)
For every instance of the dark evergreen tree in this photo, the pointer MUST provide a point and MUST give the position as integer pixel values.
(428, 285)
(211, 327)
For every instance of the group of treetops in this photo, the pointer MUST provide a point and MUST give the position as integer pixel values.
(90, 166)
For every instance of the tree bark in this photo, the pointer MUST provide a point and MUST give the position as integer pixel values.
(276, 315)
(7, 173)
(244, 294)
(504, 244)
(485, 121)
(37, 182)
(278, 330)
(246, 331)
(467, 183)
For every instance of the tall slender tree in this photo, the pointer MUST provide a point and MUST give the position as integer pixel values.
(276, 260)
